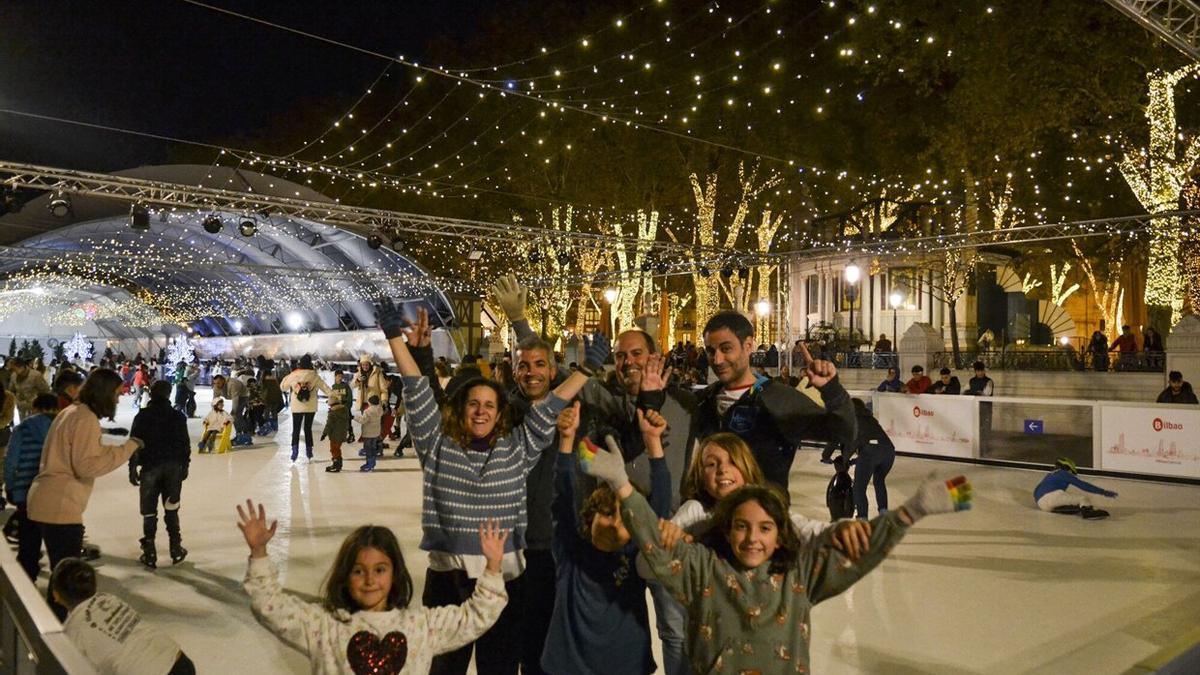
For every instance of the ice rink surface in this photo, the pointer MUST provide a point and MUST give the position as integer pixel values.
(1003, 588)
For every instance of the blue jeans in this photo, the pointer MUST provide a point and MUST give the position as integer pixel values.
(873, 465)
(373, 447)
(672, 630)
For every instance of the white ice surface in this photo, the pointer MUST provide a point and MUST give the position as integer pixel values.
(1000, 589)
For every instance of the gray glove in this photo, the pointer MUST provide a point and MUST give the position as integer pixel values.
(607, 465)
(940, 496)
(512, 297)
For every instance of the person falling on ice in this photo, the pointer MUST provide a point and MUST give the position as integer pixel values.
(1055, 493)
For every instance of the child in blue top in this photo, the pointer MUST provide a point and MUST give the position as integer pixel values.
(23, 463)
(1053, 494)
(600, 600)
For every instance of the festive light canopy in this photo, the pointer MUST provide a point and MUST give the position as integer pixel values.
(176, 274)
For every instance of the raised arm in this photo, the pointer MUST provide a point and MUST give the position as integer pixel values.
(285, 615)
(827, 571)
(394, 326)
(566, 533)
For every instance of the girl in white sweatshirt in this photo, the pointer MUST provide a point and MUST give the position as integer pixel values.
(364, 623)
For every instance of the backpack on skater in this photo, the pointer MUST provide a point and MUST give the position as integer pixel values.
(839, 495)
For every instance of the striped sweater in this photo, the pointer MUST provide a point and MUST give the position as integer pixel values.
(462, 488)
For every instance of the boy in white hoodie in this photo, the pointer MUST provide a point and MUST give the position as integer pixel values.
(371, 436)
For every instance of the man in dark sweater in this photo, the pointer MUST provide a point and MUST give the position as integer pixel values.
(771, 417)
(1177, 390)
(981, 384)
(159, 469)
(947, 384)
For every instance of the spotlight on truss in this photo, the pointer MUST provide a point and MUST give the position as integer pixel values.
(743, 273)
(727, 271)
(247, 227)
(705, 273)
(564, 258)
(139, 217)
(60, 204)
(374, 241)
(212, 223)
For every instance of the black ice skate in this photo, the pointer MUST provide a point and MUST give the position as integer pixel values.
(1090, 513)
(1067, 509)
(149, 556)
(178, 553)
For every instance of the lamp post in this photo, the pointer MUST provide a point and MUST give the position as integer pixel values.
(852, 275)
(610, 297)
(894, 300)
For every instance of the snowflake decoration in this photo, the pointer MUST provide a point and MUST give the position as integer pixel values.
(78, 348)
(180, 349)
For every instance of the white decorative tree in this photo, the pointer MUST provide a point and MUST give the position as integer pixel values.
(180, 348)
(78, 348)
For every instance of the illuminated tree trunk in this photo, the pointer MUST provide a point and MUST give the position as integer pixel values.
(1107, 295)
(1157, 174)
(629, 261)
(765, 234)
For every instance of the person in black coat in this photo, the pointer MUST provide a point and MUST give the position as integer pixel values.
(159, 470)
(876, 454)
(948, 384)
(1177, 390)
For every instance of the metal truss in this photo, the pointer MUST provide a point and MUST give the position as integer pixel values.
(1175, 21)
(357, 219)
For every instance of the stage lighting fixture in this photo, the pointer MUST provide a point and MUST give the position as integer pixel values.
(727, 271)
(60, 204)
(374, 241)
(535, 257)
(139, 217)
(398, 244)
(564, 259)
(247, 227)
(8, 200)
(662, 267)
(212, 224)
(743, 273)
(646, 264)
(704, 272)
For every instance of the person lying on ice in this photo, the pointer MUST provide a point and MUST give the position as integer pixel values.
(1054, 493)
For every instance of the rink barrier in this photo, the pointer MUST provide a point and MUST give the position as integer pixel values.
(31, 638)
(1113, 438)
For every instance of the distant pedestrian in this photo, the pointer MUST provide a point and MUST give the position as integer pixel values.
(1177, 390)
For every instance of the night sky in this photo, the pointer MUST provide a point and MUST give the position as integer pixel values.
(171, 68)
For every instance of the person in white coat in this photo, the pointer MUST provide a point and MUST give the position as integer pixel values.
(303, 383)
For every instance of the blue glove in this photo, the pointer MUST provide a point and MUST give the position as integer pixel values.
(390, 318)
(596, 351)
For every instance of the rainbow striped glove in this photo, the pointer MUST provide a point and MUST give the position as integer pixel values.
(607, 465)
(940, 496)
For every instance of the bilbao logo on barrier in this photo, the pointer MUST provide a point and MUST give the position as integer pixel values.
(1160, 424)
(918, 412)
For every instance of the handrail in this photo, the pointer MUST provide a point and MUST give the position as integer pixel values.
(31, 638)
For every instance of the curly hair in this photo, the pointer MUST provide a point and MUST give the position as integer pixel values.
(454, 414)
(739, 454)
(772, 500)
(337, 585)
(601, 501)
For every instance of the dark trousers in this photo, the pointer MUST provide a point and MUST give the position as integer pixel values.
(183, 666)
(874, 463)
(62, 541)
(29, 543)
(539, 606)
(498, 651)
(305, 420)
(161, 483)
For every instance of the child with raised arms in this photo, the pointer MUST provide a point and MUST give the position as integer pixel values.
(364, 623)
(750, 593)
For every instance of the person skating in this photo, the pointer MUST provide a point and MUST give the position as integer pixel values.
(337, 424)
(159, 469)
(215, 436)
(303, 384)
(1054, 493)
(371, 436)
(21, 466)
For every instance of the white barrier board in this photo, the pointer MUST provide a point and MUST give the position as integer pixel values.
(929, 424)
(1160, 440)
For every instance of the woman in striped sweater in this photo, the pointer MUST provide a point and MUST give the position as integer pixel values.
(475, 467)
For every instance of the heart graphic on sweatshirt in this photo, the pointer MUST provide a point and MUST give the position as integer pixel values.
(369, 655)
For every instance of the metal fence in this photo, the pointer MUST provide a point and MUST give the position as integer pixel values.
(1053, 360)
(31, 638)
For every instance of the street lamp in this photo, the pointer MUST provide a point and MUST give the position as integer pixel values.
(762, 308)
(852, 276)
(895, 300)
(610, 296)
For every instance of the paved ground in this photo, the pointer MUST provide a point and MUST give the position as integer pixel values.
(1003, 588)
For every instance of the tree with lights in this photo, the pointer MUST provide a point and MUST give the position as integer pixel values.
(1157, 175)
